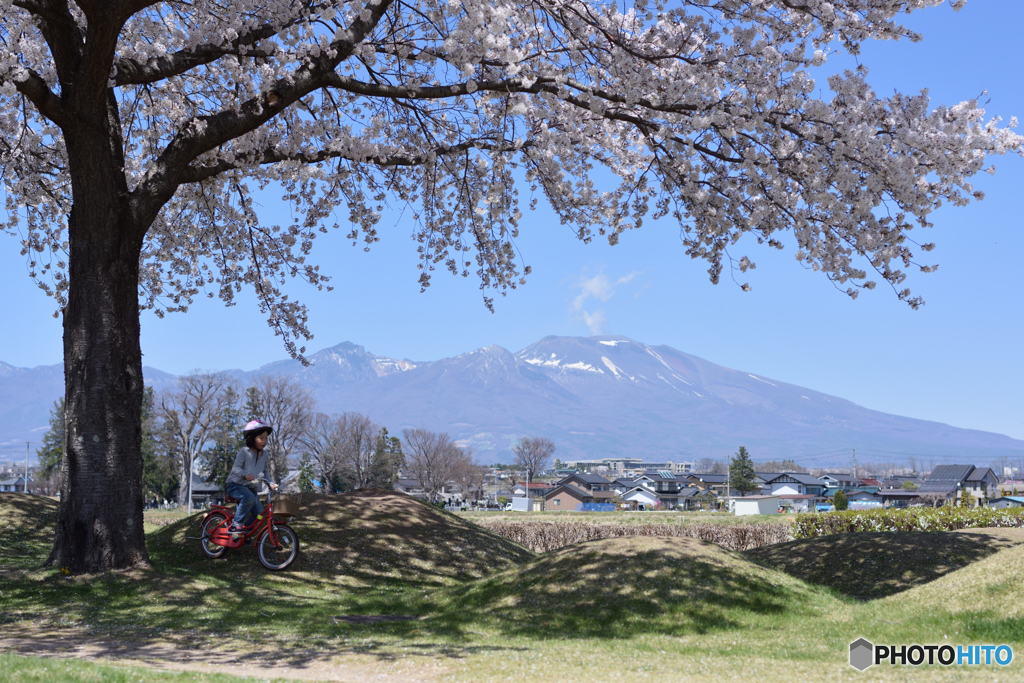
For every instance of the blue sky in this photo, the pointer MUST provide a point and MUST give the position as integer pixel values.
(957, 360)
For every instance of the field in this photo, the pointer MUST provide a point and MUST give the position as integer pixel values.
(389, 589)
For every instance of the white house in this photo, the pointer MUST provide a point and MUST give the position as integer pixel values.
(640, 496)
(1007, 502)
(756, 505)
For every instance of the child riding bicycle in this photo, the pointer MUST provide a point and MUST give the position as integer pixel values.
(249, 467)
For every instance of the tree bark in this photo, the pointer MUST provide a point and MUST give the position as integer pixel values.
(99, 523)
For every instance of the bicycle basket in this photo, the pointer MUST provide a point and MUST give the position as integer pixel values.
(286, 508)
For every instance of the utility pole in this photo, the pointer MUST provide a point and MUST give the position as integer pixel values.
(26, 466)
(728, 484)
(854, 462)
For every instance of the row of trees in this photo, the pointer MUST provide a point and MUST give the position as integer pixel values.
(200, 423)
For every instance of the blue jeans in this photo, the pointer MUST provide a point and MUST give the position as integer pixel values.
(249, 504)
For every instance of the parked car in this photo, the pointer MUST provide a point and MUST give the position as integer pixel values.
(508, 507)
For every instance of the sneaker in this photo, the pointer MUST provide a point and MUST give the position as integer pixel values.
(235, 529)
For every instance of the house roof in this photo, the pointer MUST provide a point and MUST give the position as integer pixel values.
(795, 496)
(574, 491)
(709, 478)
(536, 485)
(870, 482)
(624, 482)
(979, 474)
(741, 498)
(1016, 499)
(588, 478)
(640, 489)
(840, 476)
(407, 482)
(898, 493)
(951, 473)
(601, 494)
(13, 482)
(805, 479)
(657, 476)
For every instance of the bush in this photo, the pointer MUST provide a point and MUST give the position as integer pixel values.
(544, 536)
(811, 524)
(840, 501)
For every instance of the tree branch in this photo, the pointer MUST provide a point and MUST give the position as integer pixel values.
(133, 72)
(31, 85)
(206, 133)
(195, 174)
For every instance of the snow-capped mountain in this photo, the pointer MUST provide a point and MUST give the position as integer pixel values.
(594, 396)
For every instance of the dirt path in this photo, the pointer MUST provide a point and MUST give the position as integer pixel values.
(28, 639)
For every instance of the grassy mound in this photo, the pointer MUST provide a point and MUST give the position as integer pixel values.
(980, 603)
(625, 587)
(27, 525)
(871, 565)
(360, 538)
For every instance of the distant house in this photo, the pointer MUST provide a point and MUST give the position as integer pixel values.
(538, 489)
(950, 482)
(586, 481)
(756, 505)
(623, 484)
(707, 481)
(897, 498)
(1006, 502)
(794, 483)
(16, 485)
(205, 493)
(840, 480)
(567, 496)
(982, 483)
(411, 487)
(797, 502)
(640, 498)
(896, 481)
(664, 485)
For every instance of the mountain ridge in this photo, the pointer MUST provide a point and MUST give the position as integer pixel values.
(601, 396)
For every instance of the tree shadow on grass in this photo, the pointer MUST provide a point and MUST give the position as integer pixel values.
(623, 588)
(872, 565)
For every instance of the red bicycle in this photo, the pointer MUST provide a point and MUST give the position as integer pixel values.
(277, 544)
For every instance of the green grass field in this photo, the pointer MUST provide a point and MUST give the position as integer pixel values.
(476, 607)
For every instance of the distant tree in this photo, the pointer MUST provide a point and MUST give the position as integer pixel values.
(910, 486)
(711, 466)
(227, 440)
(502, 501)
(51, 453)
(285, 405)
(160, 459)
(840, 501)
(780, 466)
(190, 416)
(433, 458)
(532, 454)
(558, 464)
(741, 473)
(323, 440)
(388, 460)
(306, 474)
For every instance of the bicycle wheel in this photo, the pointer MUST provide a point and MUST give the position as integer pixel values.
(284, 554)
(212, 522)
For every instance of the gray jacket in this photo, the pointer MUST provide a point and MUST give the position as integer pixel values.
(246, 462)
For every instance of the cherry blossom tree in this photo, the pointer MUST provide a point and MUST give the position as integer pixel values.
(135, 135)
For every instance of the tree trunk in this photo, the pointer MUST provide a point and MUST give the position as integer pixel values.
(99, 524)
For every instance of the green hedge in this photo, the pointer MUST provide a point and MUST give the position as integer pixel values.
(811, 524)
